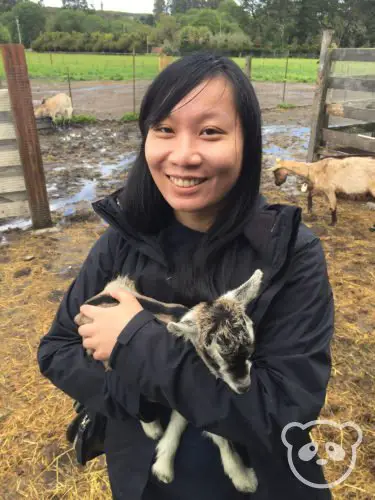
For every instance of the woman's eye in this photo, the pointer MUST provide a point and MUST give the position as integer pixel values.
(164, 130)
(211, 131)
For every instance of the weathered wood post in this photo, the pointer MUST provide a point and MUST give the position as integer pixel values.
(134, 107)
(320, 95)
(248, 67)
(285, 76)
(26, 133)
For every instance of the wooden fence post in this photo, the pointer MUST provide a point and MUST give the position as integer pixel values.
(248, 67)
(320, 96)
(26, 133)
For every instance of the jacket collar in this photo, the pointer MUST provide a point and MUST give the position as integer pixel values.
(271, 231)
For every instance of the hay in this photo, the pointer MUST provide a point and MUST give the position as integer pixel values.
(38, 463)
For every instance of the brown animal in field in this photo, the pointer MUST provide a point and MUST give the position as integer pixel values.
(57, 105)
(223, 337)
(354, 175)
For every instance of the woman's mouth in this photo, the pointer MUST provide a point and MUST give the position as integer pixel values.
(185, 182)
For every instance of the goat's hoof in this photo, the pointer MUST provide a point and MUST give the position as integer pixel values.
(163, 471)
(246, 483)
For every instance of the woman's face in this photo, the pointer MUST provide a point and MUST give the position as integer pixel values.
(195, 154)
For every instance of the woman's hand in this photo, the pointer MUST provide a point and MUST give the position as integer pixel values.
(107, 323)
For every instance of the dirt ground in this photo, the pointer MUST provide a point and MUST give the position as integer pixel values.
(85, 163)
(110, 100)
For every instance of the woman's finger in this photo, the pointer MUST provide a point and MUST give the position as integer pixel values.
(89, 343)
(86, 330)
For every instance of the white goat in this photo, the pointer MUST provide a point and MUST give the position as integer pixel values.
(223, 337)
(57, 105)
(352, 175)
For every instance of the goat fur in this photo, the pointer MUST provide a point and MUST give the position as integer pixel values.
(353, 175)
(223, 336)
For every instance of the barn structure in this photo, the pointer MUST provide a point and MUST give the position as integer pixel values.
(343, 115)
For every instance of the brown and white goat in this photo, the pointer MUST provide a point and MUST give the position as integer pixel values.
(223, 336)
(57, 105)
(352, 175)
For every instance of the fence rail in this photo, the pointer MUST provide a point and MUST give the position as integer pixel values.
(13, 196)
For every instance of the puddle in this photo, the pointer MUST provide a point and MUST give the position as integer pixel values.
(75, 185)
(87, 193)
(287, 142)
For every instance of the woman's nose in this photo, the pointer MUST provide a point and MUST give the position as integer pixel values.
(185, 152)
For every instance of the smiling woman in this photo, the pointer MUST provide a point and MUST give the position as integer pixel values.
(188, 226)
(195, 154)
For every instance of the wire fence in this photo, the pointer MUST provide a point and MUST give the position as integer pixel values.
(109, 86)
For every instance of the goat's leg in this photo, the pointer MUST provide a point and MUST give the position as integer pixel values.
(331, 195)
(243, 478)
(153, 430)
(310, 201)
(167, 447)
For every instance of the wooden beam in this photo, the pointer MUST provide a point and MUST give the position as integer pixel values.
(27, 136)
(4, 100)
(367, 55)
(7, 131)
(11, 184)
(9, 157)
(14, 209)
(320, 95)
(341, 109)
(326, 152)
(335, 138)
(352, 83)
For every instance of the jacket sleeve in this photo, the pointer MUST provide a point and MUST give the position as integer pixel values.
(60, 355)
(290, 370)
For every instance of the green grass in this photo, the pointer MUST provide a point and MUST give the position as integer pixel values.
(286, 105)
(118, 67)
(130, 117)
(76, 119)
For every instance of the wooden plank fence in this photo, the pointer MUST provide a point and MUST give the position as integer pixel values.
(328, 141)
(13, 194)
(22, 181)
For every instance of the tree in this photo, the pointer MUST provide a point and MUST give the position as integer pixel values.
(32, 20)
(75, 4)
(4, 34)
(68, 21)
(159, 7)
(166, 29)
(7, 5)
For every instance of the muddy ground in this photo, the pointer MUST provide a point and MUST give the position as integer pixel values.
(110, 100)
(85, 163)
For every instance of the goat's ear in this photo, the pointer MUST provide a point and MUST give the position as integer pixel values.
(249, 290)
(43, 101)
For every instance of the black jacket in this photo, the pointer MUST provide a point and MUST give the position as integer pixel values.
(293, 320)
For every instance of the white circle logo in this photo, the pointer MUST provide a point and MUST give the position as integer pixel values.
(334, 451)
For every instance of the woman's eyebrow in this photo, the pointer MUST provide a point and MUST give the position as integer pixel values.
(206, 115)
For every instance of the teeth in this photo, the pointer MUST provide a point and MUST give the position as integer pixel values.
(185, 182)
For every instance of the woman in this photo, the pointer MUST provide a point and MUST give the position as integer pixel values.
(189, 225)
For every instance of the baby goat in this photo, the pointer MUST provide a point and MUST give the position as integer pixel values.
(352, 175)
(223, 336)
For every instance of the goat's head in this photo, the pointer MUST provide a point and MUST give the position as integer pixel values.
(223, 334)
(41, 111)
(280, 173)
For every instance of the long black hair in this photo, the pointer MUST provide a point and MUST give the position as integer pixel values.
(145, 208)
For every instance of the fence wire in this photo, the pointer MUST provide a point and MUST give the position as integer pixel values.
(108, 86)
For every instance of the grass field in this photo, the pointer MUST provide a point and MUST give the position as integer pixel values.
(118, 67)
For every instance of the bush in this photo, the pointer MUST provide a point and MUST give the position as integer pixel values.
(4, 34)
